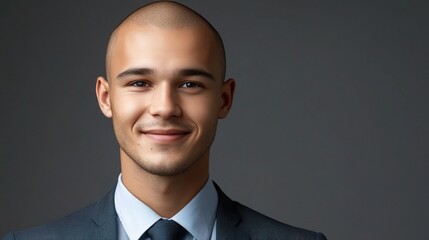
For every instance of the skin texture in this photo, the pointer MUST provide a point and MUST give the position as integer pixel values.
(165, 93)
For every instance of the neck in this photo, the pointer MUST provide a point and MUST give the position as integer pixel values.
(166, 195)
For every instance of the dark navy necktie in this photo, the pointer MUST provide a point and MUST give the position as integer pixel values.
(166, 230)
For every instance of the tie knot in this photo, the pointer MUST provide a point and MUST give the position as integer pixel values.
(166, 230)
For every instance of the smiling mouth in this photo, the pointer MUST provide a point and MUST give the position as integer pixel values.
(165, 135)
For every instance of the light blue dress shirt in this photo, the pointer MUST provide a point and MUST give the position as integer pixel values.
(198, 217)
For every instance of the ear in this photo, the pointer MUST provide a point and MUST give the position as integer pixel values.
(227, 96)
(103, 97)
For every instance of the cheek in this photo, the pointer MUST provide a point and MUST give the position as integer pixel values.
(203, 111)
(126, 110)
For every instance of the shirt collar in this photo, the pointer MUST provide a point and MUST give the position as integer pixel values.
(197, 217)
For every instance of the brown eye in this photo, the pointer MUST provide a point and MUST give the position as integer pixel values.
(139, 84)
(190, 85)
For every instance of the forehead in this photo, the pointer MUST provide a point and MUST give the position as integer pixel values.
(163, 49)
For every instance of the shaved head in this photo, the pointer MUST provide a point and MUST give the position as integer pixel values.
(167, 15)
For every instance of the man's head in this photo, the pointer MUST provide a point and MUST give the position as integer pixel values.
(165, 88)
(168, 15)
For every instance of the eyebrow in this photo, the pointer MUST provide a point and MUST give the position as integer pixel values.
(135, 71)
(195, 72)
(186, 72)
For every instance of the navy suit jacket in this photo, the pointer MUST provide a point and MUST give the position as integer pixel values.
(99, 222)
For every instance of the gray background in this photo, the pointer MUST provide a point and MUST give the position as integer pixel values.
(329, 129)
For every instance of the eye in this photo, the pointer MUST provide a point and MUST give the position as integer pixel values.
(139, 84)
(190, 85)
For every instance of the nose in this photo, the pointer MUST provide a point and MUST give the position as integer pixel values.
(164, 102)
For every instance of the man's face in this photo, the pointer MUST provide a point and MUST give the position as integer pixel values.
(165, 95)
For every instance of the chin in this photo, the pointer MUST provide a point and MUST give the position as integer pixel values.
(164, 168)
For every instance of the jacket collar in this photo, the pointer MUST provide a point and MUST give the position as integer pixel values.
(105, 218)
(228, 219)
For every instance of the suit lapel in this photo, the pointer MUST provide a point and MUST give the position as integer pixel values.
(105, 218)
(228, 219)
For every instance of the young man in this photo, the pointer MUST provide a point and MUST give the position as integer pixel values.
(165, 91)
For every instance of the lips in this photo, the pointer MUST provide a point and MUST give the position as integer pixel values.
(165, 135)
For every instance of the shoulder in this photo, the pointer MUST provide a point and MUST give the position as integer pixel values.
(240, 222)
(64, 228)
(86, 223)
(260, 226)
